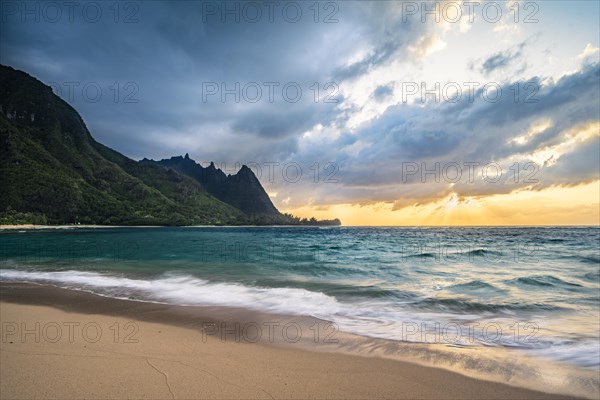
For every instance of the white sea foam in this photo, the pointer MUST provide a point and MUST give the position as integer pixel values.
(384, 319)
(187, 290)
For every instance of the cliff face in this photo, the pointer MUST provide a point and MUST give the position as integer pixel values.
(242, 190)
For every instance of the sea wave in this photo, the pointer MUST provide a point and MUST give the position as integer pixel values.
(185, 290)
(387, 315)
(590, 259)
(476, 284)
(457, 305)
(542, 280)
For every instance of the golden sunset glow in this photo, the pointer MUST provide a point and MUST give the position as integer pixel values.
(579, 205)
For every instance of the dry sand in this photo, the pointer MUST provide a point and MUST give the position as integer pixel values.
(99, 355)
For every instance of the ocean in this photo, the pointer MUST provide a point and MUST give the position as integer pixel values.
(535, 290)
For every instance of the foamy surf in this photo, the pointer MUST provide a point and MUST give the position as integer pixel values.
(374, 318)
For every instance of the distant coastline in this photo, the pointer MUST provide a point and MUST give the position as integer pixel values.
(63, 226)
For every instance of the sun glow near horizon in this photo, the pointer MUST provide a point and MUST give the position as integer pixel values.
(559, 205)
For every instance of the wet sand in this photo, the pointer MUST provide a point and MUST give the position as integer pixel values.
(58, 343)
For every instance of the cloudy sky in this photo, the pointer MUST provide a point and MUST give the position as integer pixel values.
(376, 112)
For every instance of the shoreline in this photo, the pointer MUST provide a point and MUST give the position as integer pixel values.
(35, 227)
(40, 227)
(205, 326)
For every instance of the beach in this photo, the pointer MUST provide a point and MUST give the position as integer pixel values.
(293, 312)
(88, 346)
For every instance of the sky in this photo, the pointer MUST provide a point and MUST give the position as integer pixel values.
(374, 112)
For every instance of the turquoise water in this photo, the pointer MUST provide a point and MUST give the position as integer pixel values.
(533, 289)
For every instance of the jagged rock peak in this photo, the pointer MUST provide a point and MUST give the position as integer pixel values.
(245, 171)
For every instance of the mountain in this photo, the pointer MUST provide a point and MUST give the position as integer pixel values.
(242, 190)
(52, 171)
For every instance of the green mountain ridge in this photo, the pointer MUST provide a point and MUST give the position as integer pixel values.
(54, 172)
(242, 190)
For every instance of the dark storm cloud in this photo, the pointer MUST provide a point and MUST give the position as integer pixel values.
(162, 55)
(290, 120)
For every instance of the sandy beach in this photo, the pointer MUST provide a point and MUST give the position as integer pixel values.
(31, 226)
(112, 348)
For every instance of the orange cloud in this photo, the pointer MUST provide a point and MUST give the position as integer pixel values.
(578, 205)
